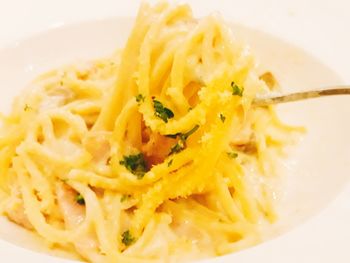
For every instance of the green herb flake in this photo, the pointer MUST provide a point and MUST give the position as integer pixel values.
(183, 136)
(178, 147)
(136, 164)
(80, 199)
(140, 98)
(173, 136)
(189, 133)
(181, 143)
(222, 117)
(232, 155)
(127, 238)
(161, 111)
(124, 198)
(170, 162)
(236, 90)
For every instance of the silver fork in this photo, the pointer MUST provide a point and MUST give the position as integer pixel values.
(275, 99)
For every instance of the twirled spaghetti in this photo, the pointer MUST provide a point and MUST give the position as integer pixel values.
(153, 154)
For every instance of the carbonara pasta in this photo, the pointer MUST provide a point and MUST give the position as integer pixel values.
(155, 153)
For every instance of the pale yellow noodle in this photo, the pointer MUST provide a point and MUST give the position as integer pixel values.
(157, 148)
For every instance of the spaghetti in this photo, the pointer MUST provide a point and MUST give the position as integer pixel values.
(153, 154)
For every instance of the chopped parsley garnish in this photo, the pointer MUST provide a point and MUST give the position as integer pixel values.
(183, 136)
(170, 162)
(189, 133)
(236, 90)
(140, 98)
(178, 147)
(222, 117)
(127, 238)
(80, 199)
(124, 198)
(173, 136)
(232, 155)
(136, 164)
(181, 144)
(161, 111)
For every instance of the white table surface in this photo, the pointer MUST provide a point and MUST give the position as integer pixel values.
(321, 27)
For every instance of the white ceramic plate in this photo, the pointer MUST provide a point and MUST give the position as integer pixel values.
(316, 170)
